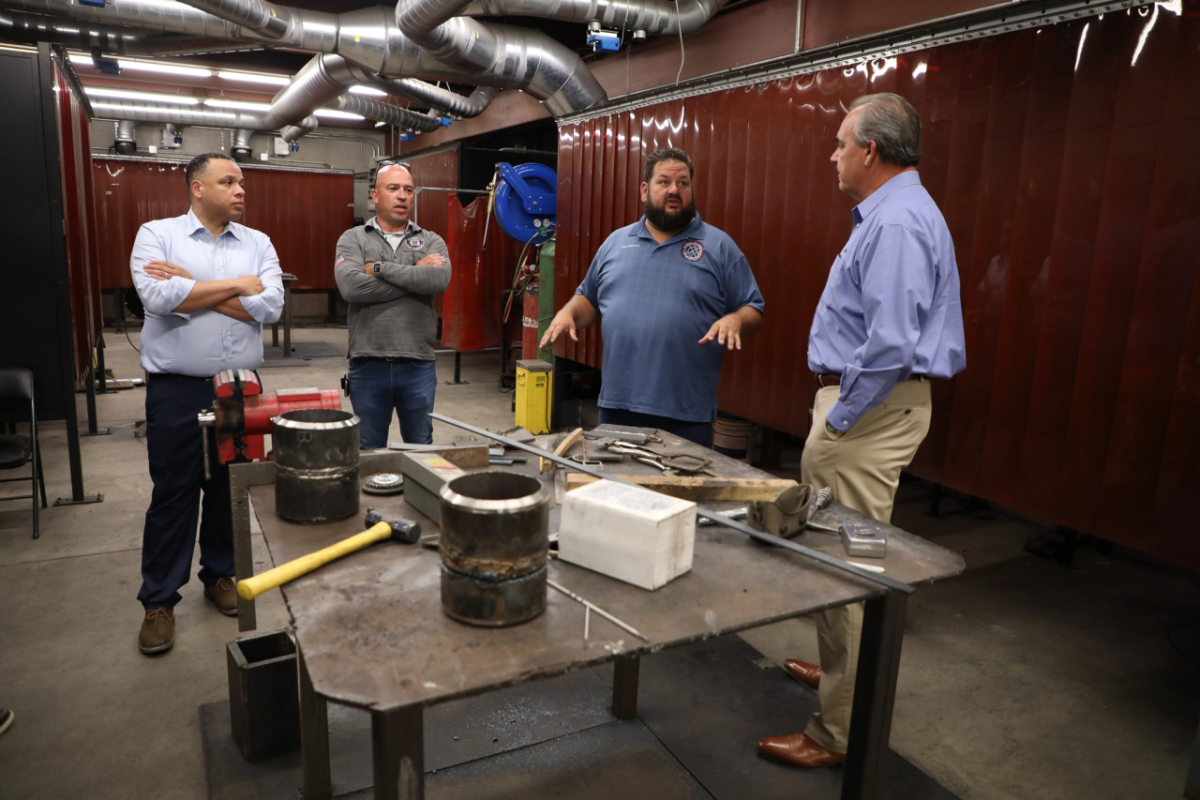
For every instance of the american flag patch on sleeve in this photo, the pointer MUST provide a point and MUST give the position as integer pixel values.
(340, 259)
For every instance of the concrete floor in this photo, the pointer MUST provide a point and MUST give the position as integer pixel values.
(1020, 679)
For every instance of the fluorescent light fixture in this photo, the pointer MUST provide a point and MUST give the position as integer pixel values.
(237, 105)
(330, 113)
(145, 97)
(168, 69)
(254, 77)
(367, 90)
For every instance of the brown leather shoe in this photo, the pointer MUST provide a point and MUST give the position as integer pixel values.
(799, 750)
(223, 593)
(158, 631)
(808, 674)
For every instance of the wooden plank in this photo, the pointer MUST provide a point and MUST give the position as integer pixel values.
(688, 487)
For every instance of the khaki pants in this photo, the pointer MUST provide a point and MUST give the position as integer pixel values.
(863, 469)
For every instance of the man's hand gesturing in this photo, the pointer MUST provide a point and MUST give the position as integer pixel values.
(563, 321)
(727, 330)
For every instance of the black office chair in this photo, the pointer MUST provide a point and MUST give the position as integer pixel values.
(16, 390)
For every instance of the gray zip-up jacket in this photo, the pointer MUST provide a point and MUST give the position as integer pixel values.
(391, 312)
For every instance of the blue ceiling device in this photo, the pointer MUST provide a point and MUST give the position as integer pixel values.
(526, 201)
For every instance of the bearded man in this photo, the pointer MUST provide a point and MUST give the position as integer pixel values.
(673, 293)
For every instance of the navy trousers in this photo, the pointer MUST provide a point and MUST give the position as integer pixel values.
(699, 432)
(377, 386)
(177, 469)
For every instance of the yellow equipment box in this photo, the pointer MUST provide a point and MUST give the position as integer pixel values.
(535, 379)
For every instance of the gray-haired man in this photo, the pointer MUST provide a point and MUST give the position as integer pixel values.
(889, 321)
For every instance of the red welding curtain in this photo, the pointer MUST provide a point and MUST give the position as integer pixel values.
(1059, 159)
(471, 307)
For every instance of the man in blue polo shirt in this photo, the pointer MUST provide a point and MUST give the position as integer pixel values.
(673, 293)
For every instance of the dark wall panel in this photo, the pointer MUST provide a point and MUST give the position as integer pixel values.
(304, 213)
(1053, 156)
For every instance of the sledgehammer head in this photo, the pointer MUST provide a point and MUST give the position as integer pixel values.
(406, 532)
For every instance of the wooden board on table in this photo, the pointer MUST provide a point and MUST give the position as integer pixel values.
(697, 488)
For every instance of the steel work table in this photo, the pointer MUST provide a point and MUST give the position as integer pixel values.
(372, 634)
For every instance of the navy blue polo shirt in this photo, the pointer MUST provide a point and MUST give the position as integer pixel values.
(656, 302)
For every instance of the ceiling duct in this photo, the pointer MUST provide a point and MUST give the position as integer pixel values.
(385, 112)
(190, 115)
(442, 99)
(18, 26)
(654, 17)
(241, 145)
(499, 55)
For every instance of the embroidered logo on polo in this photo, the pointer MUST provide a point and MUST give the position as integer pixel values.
(415, 242)
(693, 250)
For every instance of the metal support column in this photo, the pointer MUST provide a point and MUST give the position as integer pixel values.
(457, 370)
(314, 737)
(398, 752)
(625, 686)
(874, 696)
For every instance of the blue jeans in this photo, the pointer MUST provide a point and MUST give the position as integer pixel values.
(407, 385)
(699, 432)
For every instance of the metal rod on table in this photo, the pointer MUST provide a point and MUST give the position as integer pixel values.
(714, 516)
(595, 608)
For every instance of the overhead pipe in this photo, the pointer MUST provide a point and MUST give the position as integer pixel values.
(18, 26)
(241, 144)
(125, 142)
(499, 55)
(129, 110)
(385, 112)
(654, 17)
(439, 98)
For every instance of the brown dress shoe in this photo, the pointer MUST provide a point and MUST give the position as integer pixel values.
(808, 674)
(158, 631)
(800, 750)
(223, 593)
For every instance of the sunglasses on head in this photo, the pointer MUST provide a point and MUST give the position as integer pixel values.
(387, 162)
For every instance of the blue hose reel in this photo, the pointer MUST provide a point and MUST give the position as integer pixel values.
(526, 201)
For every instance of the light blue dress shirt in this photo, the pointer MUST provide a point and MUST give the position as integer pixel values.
(891, 306)
(203, 342)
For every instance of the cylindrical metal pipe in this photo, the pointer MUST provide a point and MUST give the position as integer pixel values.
(316, 465)
(125, 142)
(495, 542)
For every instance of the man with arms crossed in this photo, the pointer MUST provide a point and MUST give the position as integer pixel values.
(208, 285)
(389, 271)
(889, 320)
(673, 293)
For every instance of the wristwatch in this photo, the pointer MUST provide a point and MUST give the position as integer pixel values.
(834, 432)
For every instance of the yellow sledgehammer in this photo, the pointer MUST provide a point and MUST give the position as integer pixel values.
(380, 530)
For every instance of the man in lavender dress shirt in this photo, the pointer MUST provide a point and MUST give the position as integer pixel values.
(889, 321)
(208, 285)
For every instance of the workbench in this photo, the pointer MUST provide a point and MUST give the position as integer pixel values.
(371, 632)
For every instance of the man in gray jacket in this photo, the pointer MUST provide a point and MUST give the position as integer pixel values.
(389, 271)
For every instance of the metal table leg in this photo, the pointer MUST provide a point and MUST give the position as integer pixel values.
(874, 696)
(625, 686)
(314, 738)
(241, 478)
(398, 751)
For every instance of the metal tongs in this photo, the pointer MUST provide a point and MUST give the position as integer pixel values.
(669, 464)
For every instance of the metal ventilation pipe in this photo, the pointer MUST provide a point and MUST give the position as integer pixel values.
(129, 111)
(241, 145)
(125, 142)
(17, 26)
(655, 17)
(498, 55)
(384, 112)
(439, 98)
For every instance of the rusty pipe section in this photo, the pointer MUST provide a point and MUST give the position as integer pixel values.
(316, 465)
(495, 543)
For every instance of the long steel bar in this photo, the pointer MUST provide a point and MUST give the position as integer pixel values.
(597, 609)
(713, 516)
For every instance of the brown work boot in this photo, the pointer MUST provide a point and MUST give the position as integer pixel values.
(223, 593)
(158, 631)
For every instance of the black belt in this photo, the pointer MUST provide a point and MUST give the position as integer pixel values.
(401, 359)
(829, 379)
(175, 377)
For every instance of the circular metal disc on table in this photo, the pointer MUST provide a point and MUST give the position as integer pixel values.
(384, 483)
